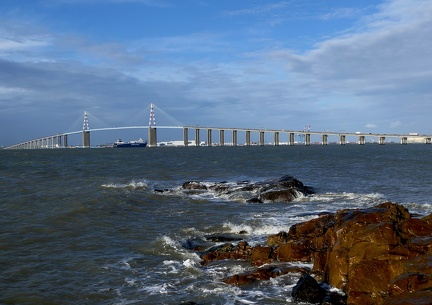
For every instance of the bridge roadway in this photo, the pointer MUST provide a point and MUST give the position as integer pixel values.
(61, 140)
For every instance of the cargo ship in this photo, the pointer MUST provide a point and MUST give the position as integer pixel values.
(138, 143)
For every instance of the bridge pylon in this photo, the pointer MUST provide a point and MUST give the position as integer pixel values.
(152, 134)
(86, 132)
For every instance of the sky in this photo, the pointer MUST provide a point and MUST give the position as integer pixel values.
(332, 65)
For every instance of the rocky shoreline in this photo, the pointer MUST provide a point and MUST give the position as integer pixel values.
(378, 255)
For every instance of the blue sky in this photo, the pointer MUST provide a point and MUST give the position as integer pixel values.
(335, 65)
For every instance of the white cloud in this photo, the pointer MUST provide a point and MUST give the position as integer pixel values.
(371, 126)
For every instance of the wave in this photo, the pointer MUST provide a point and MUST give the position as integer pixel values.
(133, 185)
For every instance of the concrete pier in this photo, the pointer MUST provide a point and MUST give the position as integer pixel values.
(248, 138)
(222, 137)
(362, 140)
(276, 138)
(209, 137)
(307, 139)
(342, 139)
(381, 140)
(152, 137)
(234, 137)
(185, 136)
(291, 139)
(324, 140)
(197, 137)
(261, 138)
(86, 139)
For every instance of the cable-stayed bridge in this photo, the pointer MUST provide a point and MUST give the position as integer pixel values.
(60, 140)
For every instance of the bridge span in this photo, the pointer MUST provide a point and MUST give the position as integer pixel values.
(61, 140)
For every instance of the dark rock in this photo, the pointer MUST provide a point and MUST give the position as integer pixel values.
(222, 238)
(264, 273)
(194, 185)
(283, 189)
(242, 251)
(254, 200)
(373, 255)
(308, 290)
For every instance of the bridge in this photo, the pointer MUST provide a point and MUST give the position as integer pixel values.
(61, 140)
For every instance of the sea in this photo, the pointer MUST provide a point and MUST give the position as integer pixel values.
(92, 226)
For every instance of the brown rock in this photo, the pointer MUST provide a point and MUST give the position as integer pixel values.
(410, 298)
(262, 255)
(374, 255)
(228, 251)
(264, 273)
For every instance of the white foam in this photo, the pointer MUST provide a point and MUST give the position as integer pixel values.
(134, 184)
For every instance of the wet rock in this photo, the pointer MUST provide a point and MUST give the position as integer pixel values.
(370, 254)
(308, 290)
(373, 255)
(283, 189)
(242, 251)
(223, 238)
(410, 298)
(264, 273)
(194, 185)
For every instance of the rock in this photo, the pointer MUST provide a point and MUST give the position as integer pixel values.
(377, 255)
(222, 238)
(194, 185)
(264, 273)
(242, 251)
(283, 189)
(410, 298)
(370, 254)
(308, 290)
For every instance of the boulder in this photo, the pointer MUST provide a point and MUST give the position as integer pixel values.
(283, 189)
(370, 254)
(308, 290)
(263, 273)
(243, 251)
(376, 255)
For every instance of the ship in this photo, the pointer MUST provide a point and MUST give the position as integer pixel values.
(138, 143)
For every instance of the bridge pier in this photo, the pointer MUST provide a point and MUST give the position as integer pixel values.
(65, 137)
(362, 140)
(86, 139)
(276, 138)
(342, 139)
(222, 137)
(209, 137)
(185, 136)
(428, 141)
(404, 140)
(234, 137)
(307, 139)
(291, 139)
(152, 137)
(248, 138)
(197, 137)
(324, 139)
(261, 138)
(381, 140)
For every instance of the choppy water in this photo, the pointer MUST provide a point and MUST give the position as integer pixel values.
(85, 226)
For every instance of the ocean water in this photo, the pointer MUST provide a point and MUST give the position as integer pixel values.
(85, 226)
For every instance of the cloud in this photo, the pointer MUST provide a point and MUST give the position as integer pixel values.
(390, 58)
(395, 124)
(345, 12)
(155, 3)
(258, 10)
(371, 126)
